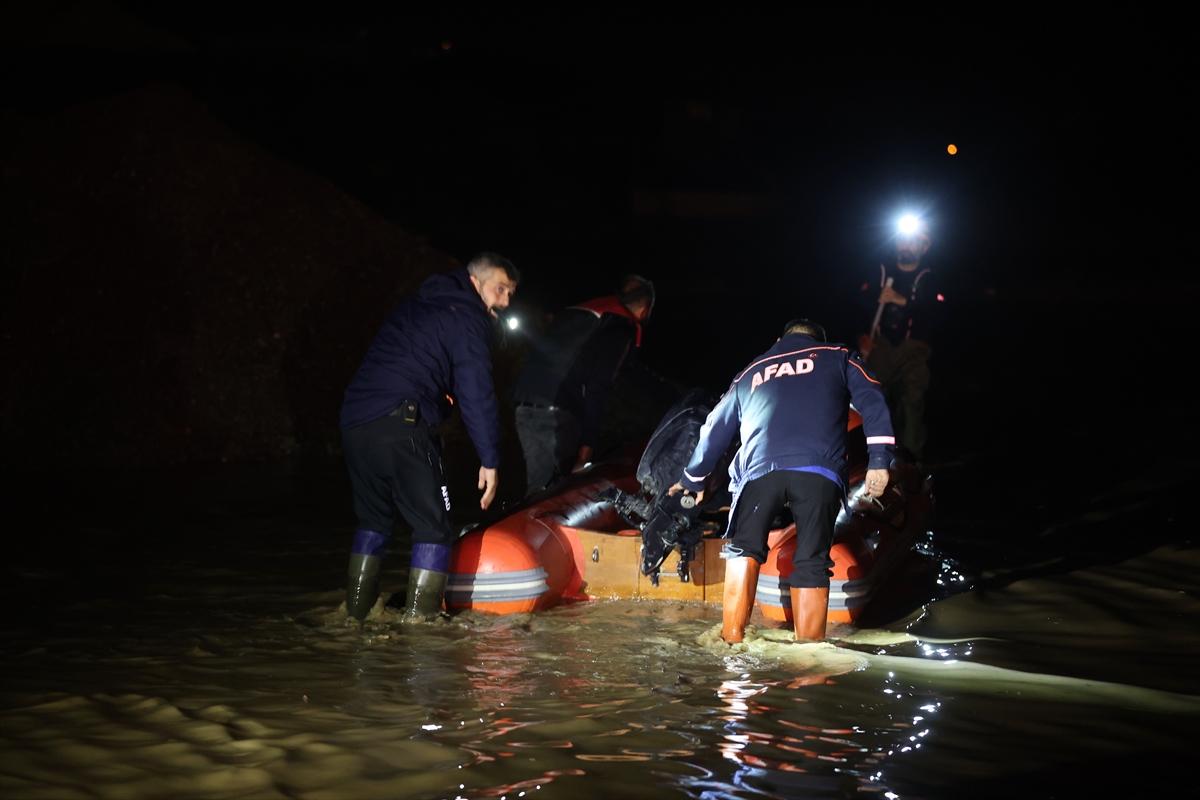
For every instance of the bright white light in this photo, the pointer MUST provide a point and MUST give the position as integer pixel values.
(431, 727)
(909, 224)
(513, 323)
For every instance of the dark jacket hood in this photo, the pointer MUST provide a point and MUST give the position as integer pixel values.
(445, 287)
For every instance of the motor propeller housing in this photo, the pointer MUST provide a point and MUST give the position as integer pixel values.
(667, 522)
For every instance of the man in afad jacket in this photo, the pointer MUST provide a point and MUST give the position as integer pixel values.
(433, 346)
(789, 409)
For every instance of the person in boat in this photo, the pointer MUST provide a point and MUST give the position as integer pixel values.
(790, 408)
(432, 347)
(560, 394)
(907, 303)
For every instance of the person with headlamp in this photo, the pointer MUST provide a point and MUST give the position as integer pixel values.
(905, 301)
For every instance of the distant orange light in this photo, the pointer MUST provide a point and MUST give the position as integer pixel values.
(447, 45)
(951, 149)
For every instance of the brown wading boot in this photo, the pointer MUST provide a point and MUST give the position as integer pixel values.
(810, 608)
(737, 602)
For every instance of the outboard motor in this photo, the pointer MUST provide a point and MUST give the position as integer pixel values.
(668, 522)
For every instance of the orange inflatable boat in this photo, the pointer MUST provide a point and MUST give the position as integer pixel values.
(572, 545)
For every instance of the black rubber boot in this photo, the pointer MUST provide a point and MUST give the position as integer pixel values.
(362, 585)
(426, 588)
(362, 577)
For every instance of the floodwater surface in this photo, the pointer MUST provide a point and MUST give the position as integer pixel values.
(209, 659)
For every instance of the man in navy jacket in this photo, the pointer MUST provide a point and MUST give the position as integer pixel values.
(789, 408)
(432, 347)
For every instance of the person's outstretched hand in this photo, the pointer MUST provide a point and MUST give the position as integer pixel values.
(890, 295)
(877, 481)
(677, 488)
(489, 479)
(582, 458)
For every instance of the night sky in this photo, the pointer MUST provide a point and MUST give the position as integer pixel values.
(751, 163)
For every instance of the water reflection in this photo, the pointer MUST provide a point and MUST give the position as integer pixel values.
(230, 683)
(776, 750)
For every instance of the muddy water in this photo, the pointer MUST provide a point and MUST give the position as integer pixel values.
(207, 659)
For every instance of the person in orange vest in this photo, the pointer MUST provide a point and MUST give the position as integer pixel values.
(562, 390)
(789, 410)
